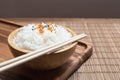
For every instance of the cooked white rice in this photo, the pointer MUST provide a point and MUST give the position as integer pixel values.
(31, 38)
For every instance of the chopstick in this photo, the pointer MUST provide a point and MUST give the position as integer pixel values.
(32, 55)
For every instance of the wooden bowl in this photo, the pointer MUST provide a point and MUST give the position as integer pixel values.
(45, 62)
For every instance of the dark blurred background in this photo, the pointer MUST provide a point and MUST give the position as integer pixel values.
(60, 8)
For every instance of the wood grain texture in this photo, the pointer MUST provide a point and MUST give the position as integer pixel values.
(82, 53)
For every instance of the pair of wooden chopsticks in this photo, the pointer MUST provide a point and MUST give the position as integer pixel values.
(32, 55)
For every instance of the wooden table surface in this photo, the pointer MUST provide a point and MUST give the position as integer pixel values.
(104, 34)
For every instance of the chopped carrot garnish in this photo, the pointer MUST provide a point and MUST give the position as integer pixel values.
(49, 28)
(50, 23)
(41, 31)
(39, 26)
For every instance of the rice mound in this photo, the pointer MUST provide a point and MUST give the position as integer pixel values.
(34, 36)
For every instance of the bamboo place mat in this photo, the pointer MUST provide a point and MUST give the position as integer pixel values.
(104, 34)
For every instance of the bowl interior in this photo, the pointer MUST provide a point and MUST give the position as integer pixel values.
(12, 35)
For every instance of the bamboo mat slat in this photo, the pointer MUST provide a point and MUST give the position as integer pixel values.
(104, 34)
